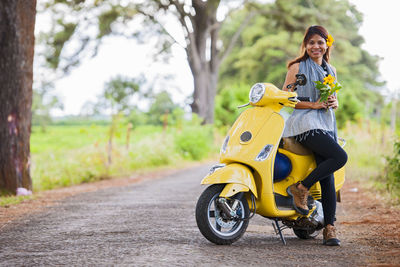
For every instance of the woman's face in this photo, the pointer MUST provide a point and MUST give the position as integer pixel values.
(316, 47)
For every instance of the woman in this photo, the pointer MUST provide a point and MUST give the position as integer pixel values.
(313, 125)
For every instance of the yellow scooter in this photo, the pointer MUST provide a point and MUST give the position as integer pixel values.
(256, 167)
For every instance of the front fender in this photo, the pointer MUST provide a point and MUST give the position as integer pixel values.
(234, 173)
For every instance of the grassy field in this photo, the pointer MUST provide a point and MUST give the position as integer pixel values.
(68, 155)
(61, 138)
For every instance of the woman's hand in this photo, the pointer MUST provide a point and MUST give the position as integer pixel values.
(333, 102)
(319, 105)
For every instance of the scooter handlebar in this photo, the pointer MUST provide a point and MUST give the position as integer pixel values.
(303, 98)
(300, 80)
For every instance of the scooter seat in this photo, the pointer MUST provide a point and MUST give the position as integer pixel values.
(290, 144)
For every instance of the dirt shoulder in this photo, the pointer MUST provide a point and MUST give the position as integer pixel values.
(364, 217)
(367, 219)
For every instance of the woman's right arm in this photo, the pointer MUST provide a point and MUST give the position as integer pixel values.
(291, 78)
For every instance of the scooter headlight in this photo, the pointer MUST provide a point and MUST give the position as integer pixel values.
(264, 153)
(256, 92)
(224, 145)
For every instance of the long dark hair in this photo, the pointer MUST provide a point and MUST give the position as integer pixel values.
(321, 31)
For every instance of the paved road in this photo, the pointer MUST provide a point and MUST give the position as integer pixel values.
(152, 224)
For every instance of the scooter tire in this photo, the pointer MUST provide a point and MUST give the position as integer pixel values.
(306, 234)
(203, 221)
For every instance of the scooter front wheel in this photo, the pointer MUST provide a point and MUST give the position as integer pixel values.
(214, 224)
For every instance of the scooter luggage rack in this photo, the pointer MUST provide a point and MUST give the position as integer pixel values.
(278, 229)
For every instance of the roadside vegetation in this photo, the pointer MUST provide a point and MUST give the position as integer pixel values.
(7, 201)
(373, 157)
(392, 173)
(69, 155)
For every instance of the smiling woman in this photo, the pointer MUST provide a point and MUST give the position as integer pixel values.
(313, 125)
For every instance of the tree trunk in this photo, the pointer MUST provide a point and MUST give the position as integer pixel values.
(204, 59)
(203, 54)
(17, 21)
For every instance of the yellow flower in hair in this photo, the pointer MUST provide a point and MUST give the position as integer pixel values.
(329, 40)
(329, 80)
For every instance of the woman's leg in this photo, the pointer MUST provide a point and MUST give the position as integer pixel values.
(328, 199)
(324, 146)
(329, 157)
(328, 195)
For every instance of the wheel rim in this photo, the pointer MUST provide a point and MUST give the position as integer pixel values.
(220, 226)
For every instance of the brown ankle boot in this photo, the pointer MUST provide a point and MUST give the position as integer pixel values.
(299, 198)
(329, 234)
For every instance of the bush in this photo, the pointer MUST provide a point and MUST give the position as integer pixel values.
(195, 142)
(227, 101)
(392, 177)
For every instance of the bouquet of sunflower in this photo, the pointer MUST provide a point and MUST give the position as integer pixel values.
(328, 87)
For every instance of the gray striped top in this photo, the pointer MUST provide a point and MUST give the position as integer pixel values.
(302, 121)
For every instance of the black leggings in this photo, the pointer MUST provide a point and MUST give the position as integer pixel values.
(329, 157)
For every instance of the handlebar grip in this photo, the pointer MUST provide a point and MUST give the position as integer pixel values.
(308, 99)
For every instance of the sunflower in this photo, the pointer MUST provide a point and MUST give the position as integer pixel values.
(329, 80)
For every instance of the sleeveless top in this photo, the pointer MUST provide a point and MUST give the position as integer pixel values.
(303, 122)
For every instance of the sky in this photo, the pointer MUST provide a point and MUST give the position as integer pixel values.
(126, 57)
(380, 30)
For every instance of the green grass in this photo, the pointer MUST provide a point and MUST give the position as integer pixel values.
(6, 201)
(69, 155)
(61, 138)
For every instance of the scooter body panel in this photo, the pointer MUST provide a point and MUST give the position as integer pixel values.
(233, 174)
(302, 165)
(266, 127)
(232, 189)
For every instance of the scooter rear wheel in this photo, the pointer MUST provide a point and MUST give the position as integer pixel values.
(210, 219)
(306, 234)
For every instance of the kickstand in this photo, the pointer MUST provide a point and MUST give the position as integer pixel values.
(278, 230)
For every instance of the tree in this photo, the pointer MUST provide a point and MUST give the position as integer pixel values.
(17, 20)
(118, 93)
(197, 19)
(161, 107)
